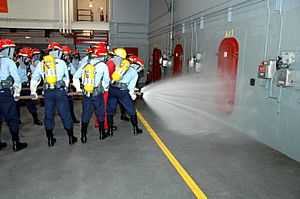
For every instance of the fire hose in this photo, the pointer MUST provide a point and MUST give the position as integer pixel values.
(27, 88)
(40, 96)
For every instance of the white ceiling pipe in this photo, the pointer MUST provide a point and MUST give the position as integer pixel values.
(105, 10)
(70, 15)
(63, 17)
(171, 31)
(67, 16)
(59, 13)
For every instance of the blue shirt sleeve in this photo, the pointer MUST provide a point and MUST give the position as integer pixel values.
(130, 78)
(14, 72)
(132, 82)
(32, 68)
(106, 77)
(38, 72)
(73, 69)
(22, 71)
(66, 75)
(78, 73)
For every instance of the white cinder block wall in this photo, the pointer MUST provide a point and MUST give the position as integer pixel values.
(253, 113)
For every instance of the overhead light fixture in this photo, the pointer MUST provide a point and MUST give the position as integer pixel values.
(27, 37)
(91, 3)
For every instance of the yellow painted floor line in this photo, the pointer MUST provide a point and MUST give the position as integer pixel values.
(186, 177)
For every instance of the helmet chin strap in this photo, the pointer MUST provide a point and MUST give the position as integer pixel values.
(11, 52)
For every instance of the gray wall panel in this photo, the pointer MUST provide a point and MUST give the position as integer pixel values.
(254, 113)
(129, 27)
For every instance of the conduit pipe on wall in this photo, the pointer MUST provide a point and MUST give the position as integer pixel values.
(171, 28)
(192, 41)
(238, 6)
(281, 26)
(196, 36)
(267, 30)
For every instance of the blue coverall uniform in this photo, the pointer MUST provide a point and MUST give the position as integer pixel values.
(8, 109)
(56, 98)
(119, 92)
(95, 100)
(71, 69)
(25, 72)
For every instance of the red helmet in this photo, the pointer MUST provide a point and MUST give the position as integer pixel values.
(4, 43)
(136, 60)
(100, 50)
(89, 50)
(25, 52)
(100, 45)
(66, 50)
(54, 45)
(76, 52)
(35, 51)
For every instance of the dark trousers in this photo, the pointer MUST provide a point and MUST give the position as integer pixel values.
(8, 110)
(90, 103)
(71, 106)
(57, 98)
(30, 104)
(122, 108)
(116, 95)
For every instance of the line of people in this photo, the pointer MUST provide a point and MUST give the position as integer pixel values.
(105, 79)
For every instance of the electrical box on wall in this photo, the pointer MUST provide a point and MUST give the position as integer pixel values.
(267, 69)
(285, 78)
(191, 62)
(288, 57)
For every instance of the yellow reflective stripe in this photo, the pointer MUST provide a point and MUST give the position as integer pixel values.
(182, 172)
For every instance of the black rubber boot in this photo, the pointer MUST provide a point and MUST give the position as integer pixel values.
(123, 113)
(17, 145)
(84, 127)
(2, 145)
(51, 139)
(102, 134)
(137, 130)
(72, 138)
(71, 105)
(75, 120)
(124, 117)
(114, 127)
(36, 119)
(110, 122)
(134, 122)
